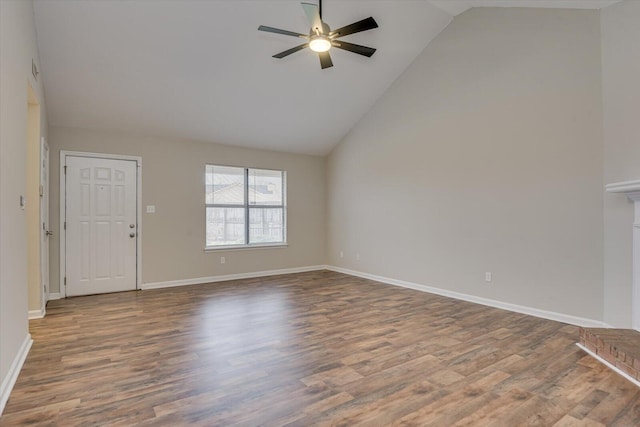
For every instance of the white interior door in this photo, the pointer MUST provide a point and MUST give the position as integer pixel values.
(45, 232)
(101, 225)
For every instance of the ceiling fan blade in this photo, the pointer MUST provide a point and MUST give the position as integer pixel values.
(364, 25)
(279, 31)
(313, 15)
(290, 51)
(355, 48)
(325, 60)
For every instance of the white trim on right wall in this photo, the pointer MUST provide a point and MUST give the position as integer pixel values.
(531, 311)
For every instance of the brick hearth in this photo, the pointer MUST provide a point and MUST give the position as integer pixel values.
(620, 347)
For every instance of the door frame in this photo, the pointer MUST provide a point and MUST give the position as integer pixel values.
(63, 211)
(45, 282)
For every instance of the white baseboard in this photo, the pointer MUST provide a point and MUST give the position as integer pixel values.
(212, 279)
(609, 365)
(550, 315)
(10, 379)
(38, 314)
(54, 296)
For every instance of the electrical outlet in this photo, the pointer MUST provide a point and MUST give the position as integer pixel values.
(151, 208)
(488, 276)
(341, 254)
(357, 257)
(222, 260)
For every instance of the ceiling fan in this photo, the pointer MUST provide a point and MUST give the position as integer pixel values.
(321, 39)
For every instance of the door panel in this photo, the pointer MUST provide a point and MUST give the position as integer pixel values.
(101, 235)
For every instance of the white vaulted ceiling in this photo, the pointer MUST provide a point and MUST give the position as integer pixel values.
(201, 70)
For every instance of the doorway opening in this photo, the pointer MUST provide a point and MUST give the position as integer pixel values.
(37, 240)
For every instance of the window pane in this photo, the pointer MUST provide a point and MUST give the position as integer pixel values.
(266, 225)
(224, 185)
(265, 187)
(225, 226)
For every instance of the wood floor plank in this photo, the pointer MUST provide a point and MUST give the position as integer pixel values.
(317, 348)
(569, 421)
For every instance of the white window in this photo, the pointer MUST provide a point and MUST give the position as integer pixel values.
(245, 207)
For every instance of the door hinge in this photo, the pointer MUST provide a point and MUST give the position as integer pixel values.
(65, 280)
(65, 225)
(65, 170)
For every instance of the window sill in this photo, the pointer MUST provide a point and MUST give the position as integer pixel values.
(245, 247)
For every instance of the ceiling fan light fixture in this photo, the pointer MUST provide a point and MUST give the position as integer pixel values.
(319, 44)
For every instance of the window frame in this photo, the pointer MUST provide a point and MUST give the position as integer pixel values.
(247, 206)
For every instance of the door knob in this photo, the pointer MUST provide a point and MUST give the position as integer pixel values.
(132, 226)
(132, 235)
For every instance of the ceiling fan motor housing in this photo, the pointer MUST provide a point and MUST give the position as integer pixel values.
(324, 30)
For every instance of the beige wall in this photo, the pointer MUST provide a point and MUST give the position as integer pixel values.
(17, 48)
(486, 155)
(621, 101)
(173, 238)
(33, 202)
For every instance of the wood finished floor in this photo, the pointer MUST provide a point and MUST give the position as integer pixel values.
(318, 348)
